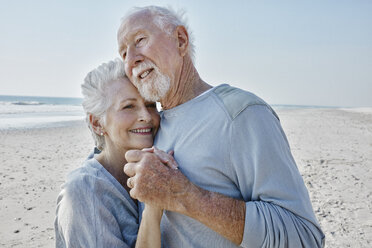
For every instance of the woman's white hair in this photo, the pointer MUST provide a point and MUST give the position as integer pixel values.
(94, 89)
(166, 19)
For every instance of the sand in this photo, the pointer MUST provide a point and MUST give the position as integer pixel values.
(332, 147)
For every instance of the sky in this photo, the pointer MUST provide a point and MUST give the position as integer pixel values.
(287, 52)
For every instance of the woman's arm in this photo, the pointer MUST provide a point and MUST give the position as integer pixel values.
(149, 231)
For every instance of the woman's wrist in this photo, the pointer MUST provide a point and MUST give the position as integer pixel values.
(152, 212)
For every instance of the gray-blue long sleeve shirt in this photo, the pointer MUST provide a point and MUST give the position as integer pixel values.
(230, 141)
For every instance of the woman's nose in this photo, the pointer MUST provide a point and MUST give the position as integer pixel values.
(145, 115)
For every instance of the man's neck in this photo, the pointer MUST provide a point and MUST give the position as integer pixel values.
(187, 87)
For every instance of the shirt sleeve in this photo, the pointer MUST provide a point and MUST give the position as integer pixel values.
(82, 220)
(278, 207)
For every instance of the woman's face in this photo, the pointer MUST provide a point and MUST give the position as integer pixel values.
(131, 122)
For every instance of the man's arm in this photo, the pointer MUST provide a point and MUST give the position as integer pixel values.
(276, 211)
(167, 188)
(223, 214)
(278, 207)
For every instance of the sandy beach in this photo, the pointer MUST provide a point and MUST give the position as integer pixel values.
(332, 148)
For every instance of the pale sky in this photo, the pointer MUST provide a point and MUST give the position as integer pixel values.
(287, 52)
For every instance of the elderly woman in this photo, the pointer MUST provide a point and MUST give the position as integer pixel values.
(94, 207)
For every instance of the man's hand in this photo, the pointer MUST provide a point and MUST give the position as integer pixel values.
(154, 182)
(166, 158)
(154, 179)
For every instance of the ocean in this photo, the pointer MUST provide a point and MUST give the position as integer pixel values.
(25, 112)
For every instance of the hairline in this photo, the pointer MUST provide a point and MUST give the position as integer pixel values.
(165, 19)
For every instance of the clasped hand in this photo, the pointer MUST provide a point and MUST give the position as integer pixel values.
(154, 178)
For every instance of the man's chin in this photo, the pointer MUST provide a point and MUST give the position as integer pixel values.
(154, 90)
(150, 94)
(149, 97)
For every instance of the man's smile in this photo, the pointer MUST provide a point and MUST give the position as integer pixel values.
(145, 73)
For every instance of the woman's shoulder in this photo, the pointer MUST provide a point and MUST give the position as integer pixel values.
(85, 178)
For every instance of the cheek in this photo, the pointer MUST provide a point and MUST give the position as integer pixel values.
(127, 70)
(163, 51)
(125, 121)
(156, 119)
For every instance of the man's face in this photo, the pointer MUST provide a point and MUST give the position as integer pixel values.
(151, 57)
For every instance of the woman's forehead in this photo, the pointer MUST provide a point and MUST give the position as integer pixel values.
(122, 89)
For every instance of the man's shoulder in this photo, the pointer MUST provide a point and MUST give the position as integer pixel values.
(236, 100)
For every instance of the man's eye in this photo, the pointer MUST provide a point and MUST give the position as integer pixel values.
(151, 105)
(124, 55)
(139, 40)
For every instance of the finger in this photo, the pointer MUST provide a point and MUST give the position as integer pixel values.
(166, 158)
(133, 194)
(130, 169)
(134, 155)
(130, 183)
(171, 152)
(151, 149)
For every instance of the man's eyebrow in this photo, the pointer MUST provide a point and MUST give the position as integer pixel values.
(137, 33)
(122, 43)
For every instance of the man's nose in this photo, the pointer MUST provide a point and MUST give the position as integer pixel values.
(132, 59)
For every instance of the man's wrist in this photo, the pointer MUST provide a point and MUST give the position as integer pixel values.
(188, 202)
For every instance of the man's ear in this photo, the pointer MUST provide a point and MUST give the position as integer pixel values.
(183, 40)
(96, 124)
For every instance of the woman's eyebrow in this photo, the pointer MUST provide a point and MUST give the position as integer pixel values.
(128, 99)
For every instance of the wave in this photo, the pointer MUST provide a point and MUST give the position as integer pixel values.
(27, 103)
(35, 107)
(38, 100)
(24, 103)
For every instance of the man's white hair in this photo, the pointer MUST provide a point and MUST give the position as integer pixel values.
(94, 89)
(166, 19)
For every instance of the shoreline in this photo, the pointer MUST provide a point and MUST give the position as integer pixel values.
(332, 148)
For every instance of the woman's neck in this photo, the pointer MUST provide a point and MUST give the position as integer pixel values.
(113, 161)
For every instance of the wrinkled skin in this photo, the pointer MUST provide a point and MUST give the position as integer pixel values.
(154, 179)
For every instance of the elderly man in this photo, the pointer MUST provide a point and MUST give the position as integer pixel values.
(237, 183)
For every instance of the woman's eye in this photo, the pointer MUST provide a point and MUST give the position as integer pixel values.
(128, 106)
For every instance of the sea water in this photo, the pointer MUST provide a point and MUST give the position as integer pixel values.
(24, 112)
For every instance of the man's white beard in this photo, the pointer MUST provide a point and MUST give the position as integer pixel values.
(154, 90)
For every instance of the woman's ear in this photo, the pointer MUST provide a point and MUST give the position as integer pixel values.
(183, 40)
(96, 124)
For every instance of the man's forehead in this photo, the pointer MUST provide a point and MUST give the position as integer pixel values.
(133, 24)
(136, 21)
